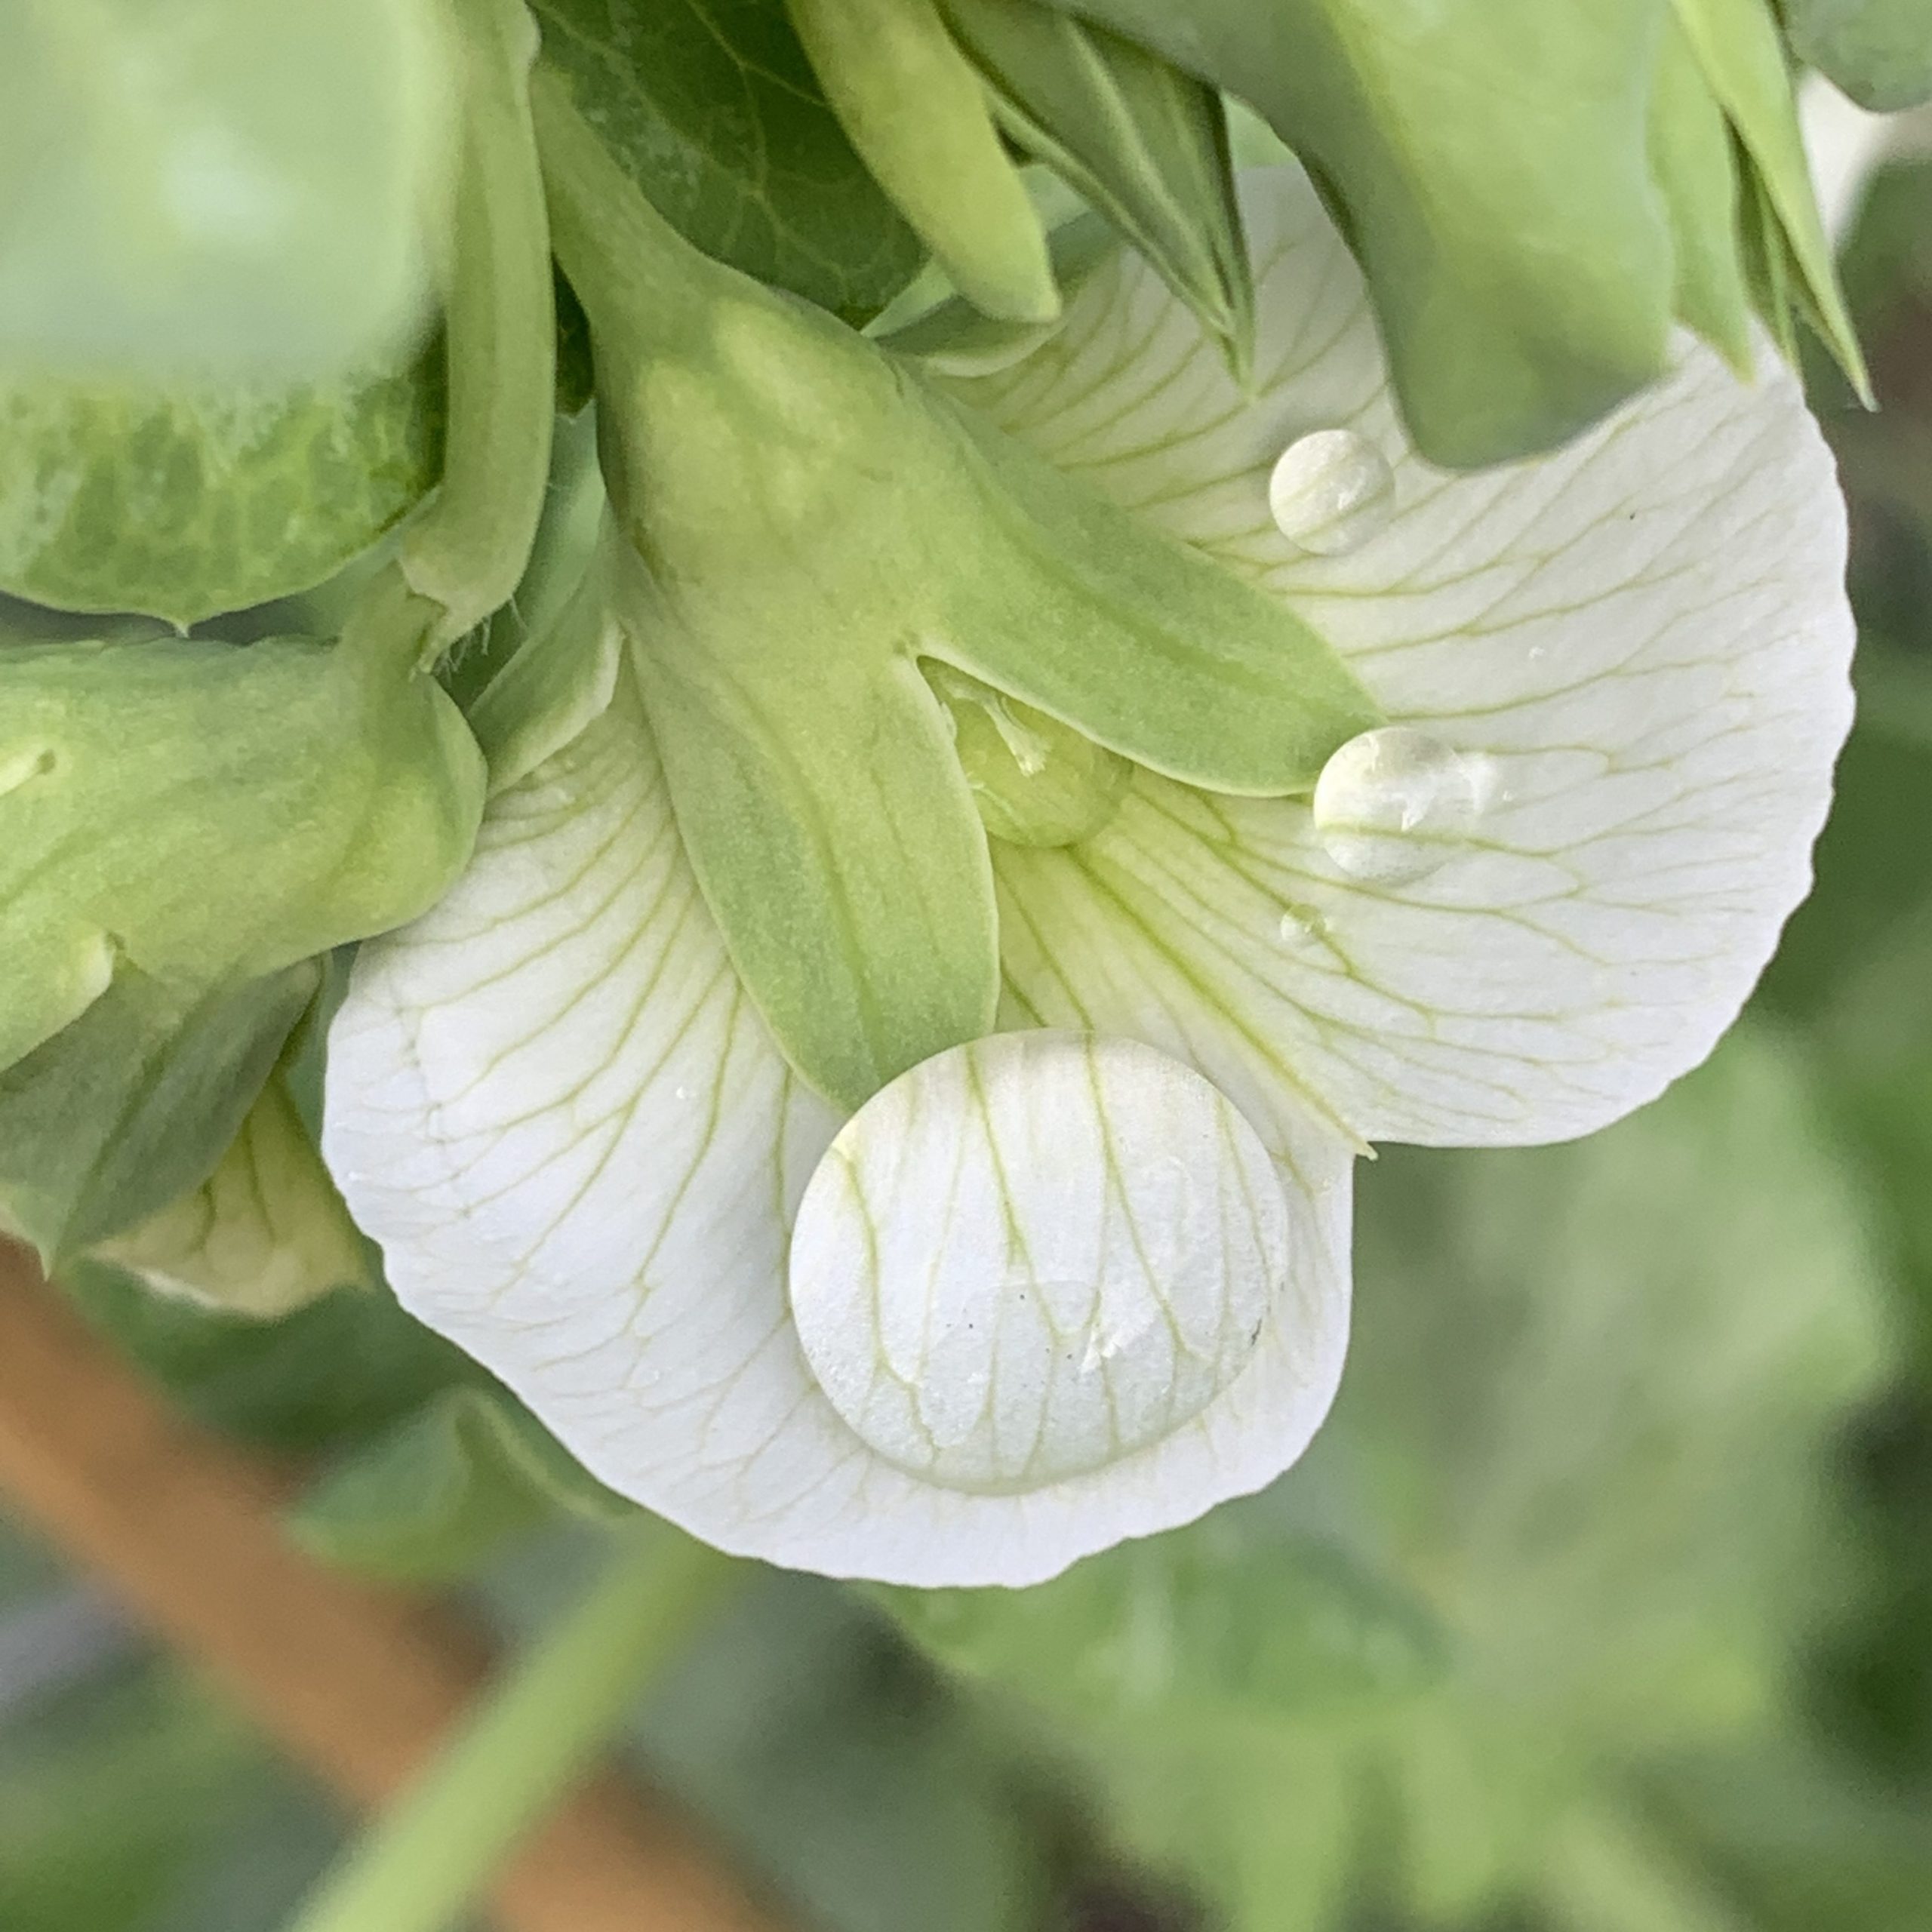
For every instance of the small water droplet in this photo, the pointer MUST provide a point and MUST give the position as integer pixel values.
(1332, 491)
(1303, 929)
(1391, 805)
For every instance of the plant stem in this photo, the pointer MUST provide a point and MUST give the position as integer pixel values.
(420, 1866)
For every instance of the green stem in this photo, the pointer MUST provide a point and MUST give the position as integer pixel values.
(422, 1863)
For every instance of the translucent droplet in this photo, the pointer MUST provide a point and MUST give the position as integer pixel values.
(1394, 804)
(1331, 491)
(1035, 780)
(1033, 1256)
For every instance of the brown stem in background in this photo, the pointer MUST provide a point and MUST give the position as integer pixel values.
(358, 1683)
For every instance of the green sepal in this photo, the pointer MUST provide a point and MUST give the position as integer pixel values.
(266, 1233)
(953, 338)
(1145, 144)
(435, 1495)
(1878, 51)
(467, 549)
(203, 498)
(1488, 162)
(1694, 160)
(557, 683)
(208, 813)
(809, 520)
(1737, 43)
(912, 105)
(132, 1106)
(1035, 781)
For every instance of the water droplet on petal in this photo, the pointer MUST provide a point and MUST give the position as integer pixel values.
(1033, 1256)
(1393, 804)
(1331, 491)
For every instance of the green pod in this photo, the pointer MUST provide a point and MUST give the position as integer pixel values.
(207, 813)
(915, 109)
(1144, 143)
(808, 524)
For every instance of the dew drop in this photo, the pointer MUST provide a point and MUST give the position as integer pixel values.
(1033, 1256)
(1332, 491)
(1394, 804)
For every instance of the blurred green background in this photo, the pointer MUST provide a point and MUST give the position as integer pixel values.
(1604, 1604)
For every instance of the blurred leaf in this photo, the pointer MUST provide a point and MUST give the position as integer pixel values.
(429, 1500)
(1231, 1619)
(1589, 1401)
(337, 1372)
(839, 1765)
(183, 501)
(107, 1795)
(1878, 51)
(131, 1105)
(713, 112)
(216, 184)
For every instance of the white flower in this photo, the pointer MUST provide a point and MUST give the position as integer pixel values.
(1073, 1308)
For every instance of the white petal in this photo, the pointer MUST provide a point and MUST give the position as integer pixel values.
(1640, 643)
(554, 1107)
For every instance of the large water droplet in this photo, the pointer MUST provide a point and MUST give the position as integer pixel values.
(1394, 804)
(1034, 1255)
(1331, 491)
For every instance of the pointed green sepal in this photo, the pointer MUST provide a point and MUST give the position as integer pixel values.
(1143, 143)
(561, 678)
(809, 521)
(208, 813)
(1694, 161)
(1736, 41)
(266, 1233)
(121, 1113)
(1488, 162)
(912, 106)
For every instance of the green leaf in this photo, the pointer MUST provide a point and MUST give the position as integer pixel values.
(431, 1499)
(208, 814)
(216, 186)
(133, 1105)
(265, 1234)
(1691, 155)
(1489, 162)
(915, 110)
(200, 498)
(813, 1738)
(713, 112)
(832, 521)
(108, 1797)
(1144, 143)
(1736, 41)
(1878, 51)
(1232, 1620)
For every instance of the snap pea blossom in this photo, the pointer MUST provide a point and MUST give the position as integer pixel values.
(1082, 1278)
